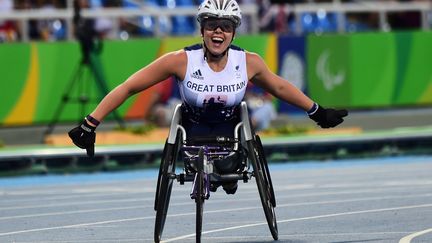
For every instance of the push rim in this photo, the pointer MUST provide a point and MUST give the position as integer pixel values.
(263, 188)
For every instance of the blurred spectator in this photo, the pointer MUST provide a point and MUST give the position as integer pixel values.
(8, 28)
(51, 29)
(103, 25)
(281, 19)
(180, 25)
(245, 26)
(272, 18)
(163, 102)
(260, 106)
(140, 26)
(318, 22)
(45, 29)
(359, 22)
(33, 32)
(265, 15)
(405, 20)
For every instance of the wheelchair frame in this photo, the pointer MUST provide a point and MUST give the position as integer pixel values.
(203, 175)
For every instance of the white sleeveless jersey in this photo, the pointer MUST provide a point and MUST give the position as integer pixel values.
(204, 88)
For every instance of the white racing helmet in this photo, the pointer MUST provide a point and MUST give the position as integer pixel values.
(226, 9)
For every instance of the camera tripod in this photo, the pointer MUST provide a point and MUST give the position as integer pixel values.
(79, 78)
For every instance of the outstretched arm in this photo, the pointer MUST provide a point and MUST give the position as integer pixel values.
(260, 74)
(173, 63)
(159, 70)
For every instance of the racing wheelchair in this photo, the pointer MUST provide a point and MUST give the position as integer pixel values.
(201, 157)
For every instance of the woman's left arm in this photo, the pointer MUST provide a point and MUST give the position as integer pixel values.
(260, 74)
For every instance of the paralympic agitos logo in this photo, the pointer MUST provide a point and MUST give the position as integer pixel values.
(330, 80)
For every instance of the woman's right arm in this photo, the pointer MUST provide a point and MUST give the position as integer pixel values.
(173, 63)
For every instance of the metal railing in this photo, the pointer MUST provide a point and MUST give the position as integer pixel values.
(382, 8)
(23, 16)
(250, 11)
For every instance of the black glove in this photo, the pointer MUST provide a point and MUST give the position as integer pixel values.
(326, 118)
(84, 137)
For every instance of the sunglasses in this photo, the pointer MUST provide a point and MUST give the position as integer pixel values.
(224, 24)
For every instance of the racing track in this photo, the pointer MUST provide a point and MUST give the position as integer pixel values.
(368, 200)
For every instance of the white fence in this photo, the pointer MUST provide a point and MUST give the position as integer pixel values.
(249, 10)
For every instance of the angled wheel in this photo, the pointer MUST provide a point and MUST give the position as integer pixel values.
(164, 187)
(264, 186)
(159, 176)
(199, 200)
(264, 165)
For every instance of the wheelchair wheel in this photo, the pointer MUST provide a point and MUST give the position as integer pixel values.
(164, 187)
(159, 177)
(266, 169)
(199, 200)
(264, 186)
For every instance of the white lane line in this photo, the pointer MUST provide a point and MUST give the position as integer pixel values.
(215, 211)
(246, 189)
(183, 197)
(408, 238)
(308, 234)
(265, 238)
(74, 226)
(71, 212)
(190, 203)
(75, 203)
(114, 221)
(301, 219)
(138, 240)
(38, 197)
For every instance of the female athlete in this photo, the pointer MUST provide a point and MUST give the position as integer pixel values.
(212, 78)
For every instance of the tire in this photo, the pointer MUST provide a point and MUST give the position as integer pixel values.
(159, 176)
(264, 165)
(264, 187)
(199, 200)
(164, 187)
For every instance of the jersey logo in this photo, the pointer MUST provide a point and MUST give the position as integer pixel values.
(197, 74)
(237, 71)
(214, 101)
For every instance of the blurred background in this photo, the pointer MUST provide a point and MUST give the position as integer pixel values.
(59, 58)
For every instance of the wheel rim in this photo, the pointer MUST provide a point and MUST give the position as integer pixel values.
(266, 170)
(164, 189)
(200, 196)
(263, 189)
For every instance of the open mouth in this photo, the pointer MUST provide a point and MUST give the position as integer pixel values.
(217, 41)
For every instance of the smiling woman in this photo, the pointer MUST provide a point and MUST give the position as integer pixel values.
(212, 79)
(218, 20)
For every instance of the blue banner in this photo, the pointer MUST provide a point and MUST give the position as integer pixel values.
(292, 66)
